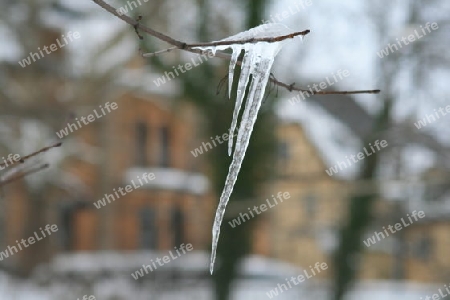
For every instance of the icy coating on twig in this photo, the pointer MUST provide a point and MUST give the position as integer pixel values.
(257, 61)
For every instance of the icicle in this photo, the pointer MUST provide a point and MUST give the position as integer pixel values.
(246, 69)
(255, 97)
(234, 58)
(257, 61)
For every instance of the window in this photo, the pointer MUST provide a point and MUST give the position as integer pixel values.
(164, 150)
(141, 133)
(177, 222)
(283, 151)
(149, 235)
(66, 232)
(70, 214)
(422, 248)
(283, 157)
(436, 192)
(310, 205)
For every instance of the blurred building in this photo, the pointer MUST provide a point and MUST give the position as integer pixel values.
(150, 134)
(303, 229)
(142, 137)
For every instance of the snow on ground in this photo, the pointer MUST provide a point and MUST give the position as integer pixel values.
(106, 275)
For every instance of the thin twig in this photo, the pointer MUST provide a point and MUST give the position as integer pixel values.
(159, 52)
(42, 150)
(221, 83)
(189, 47)
(19, 175)
(23, 174)
(291, 87)
(136, 28)
(138, 25)
(22, 159)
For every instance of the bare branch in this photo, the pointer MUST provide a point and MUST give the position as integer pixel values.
(23, 174)
(22, 159)
(138, 25)
(291, 87)
(189, 47)
(184, 46)
(159, 52)
(252, 40)
(42, 150)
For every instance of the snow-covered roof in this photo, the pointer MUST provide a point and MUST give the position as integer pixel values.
(333, 145)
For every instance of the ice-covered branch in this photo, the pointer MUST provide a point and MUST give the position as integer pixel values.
(251, 40)
(191, 48)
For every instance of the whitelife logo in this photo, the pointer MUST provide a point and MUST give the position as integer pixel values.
(432, 118)
(355, 158)
(168, 76)
(291, 11)
(398, 226)
(90, 118)
(439, 296)
(315, 88)
(12, 158)
(166, 259)
(128, 189)
(31, 240)
(263, 207)
(281, 287)
(391, 48)
(53, 47)
(124, 9)
(197, 151)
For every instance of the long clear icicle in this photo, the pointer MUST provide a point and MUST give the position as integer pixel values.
(257, 61)
(234, 57)
(259, 81)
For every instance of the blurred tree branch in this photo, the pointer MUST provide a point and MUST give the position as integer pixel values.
(191, 47)
(384, 123)
(17, 174)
